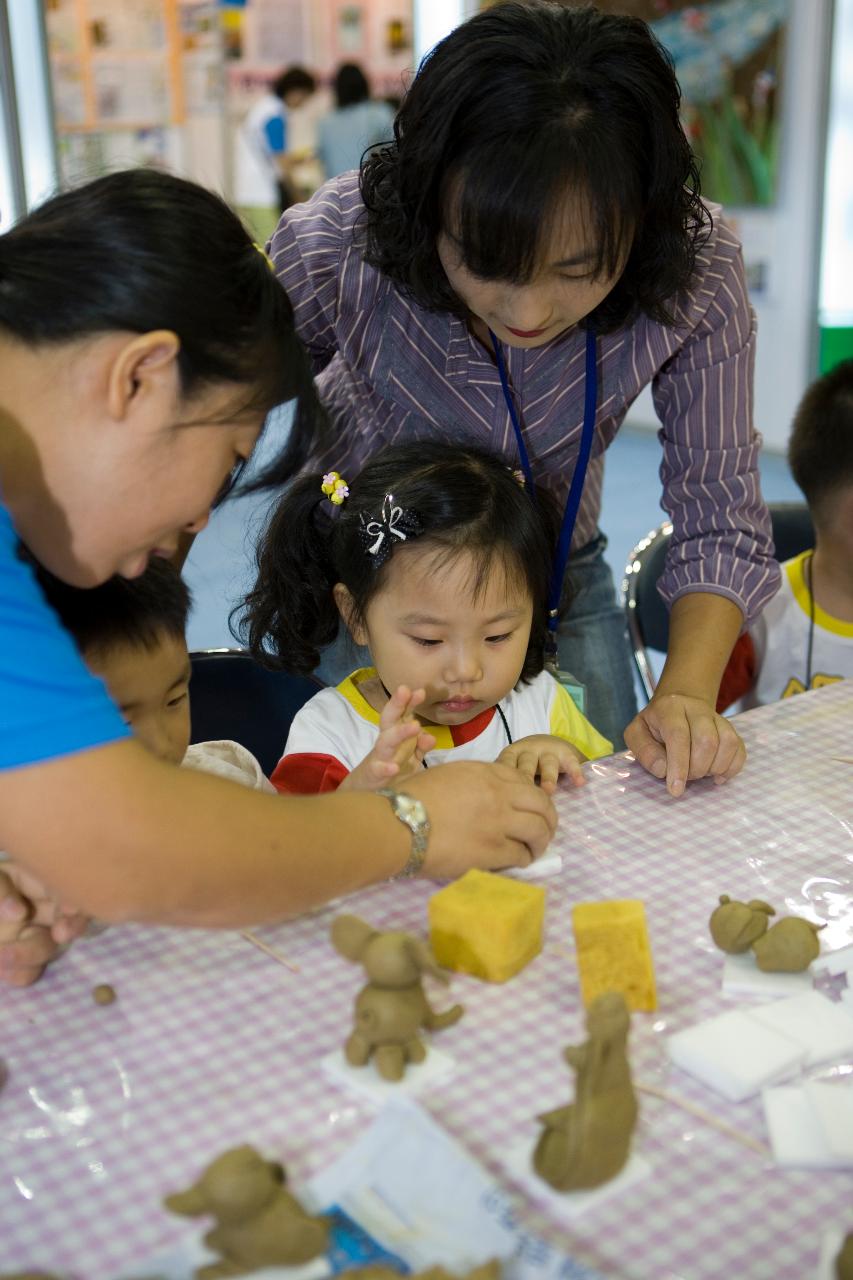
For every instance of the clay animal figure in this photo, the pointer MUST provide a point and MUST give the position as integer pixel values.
(587, 1143)
(844, 1259)
(392, 1008)
(488, 1271)
(736, 925)
(258, 1223)
(789, 946)
(28, 1275)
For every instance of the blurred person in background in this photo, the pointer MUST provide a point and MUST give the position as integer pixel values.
(266, 131)
(356, 124)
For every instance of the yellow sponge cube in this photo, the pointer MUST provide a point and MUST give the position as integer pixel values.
(614, 952)
(487, 925)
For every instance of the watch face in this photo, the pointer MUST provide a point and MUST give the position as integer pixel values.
(410, 809)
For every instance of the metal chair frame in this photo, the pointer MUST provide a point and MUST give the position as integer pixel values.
(792, 533)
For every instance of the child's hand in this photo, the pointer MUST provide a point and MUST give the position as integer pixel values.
(33, 926)
(400, 747)
(544, 756)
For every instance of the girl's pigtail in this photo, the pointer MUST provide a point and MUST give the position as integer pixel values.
(290, 613)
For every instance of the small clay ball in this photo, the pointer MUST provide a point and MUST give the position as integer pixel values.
(103, 994)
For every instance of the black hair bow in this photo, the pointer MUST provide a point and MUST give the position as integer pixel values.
(377, 534)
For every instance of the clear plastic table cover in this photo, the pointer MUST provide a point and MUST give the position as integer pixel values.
(212, 1043)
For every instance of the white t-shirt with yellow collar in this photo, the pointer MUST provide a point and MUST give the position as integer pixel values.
(337, 728)
(781, 639)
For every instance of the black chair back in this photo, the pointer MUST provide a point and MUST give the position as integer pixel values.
(233, 696)
(648, 616)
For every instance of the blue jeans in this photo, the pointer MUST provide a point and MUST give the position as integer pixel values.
(593, 644)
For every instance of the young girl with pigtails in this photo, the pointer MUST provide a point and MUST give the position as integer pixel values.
(437, 560)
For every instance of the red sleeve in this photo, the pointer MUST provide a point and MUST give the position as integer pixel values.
(739, 675)
(306, 773)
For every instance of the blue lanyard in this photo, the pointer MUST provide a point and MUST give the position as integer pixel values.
(570, 515)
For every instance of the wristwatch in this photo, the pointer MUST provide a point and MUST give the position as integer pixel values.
(413, 813)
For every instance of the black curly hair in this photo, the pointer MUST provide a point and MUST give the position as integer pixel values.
(517, 108)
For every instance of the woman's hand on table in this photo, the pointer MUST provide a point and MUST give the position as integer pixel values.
(34, 928)
(482, 815)
(680, 738)
(400, 748)
(544, 756)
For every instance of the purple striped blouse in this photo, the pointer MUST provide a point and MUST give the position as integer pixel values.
(390, 371)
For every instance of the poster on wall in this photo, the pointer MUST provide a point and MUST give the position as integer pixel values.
(728, 57)
(350, 29)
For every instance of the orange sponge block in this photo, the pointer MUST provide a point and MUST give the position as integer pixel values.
(614, 953)
(487, 925)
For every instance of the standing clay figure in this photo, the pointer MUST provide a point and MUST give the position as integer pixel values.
(844, 1259)
(736, 925)
(392, 1008)
(258, 1223)
(587, 1143)
(789, 946)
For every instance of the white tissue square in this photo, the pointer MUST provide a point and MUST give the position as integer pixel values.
(735, 1054)
(796, 1137)
(832, 1105)
(829, 1250)
(823, 1029)
(742, 977)
(569, 1204)
(549, 863)
(419, 1076)
(834, 962)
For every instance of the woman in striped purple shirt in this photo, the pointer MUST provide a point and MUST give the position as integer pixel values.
(540, 186)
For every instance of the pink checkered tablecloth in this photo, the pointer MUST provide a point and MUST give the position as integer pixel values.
(211, 1043)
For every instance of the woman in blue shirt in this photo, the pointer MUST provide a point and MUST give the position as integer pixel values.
(143, 340)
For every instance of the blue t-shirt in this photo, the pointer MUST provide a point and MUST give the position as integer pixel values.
(50, 704)
(275, 132)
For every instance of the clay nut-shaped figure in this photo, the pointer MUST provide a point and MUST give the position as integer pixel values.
(736, 925)
(392, 1008)
(789, 946)
(588, 1143)
(258, 1223)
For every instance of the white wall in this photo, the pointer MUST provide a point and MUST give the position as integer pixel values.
(785, 238)
(836, 282)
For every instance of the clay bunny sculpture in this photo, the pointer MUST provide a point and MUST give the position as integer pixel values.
(258, 1223)
(392, 1008)
(587, 1143)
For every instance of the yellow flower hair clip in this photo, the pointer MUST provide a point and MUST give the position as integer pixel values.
(335, 487)
(266, 257)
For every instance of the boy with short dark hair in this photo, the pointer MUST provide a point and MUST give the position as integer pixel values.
(804, 637)
(131, 633)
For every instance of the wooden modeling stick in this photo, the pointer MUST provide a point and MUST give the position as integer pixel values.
(392, 1008)
(588, 1143)
(706, 1117)
(268, 950)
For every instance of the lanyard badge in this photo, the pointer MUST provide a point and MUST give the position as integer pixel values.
(575, 688)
